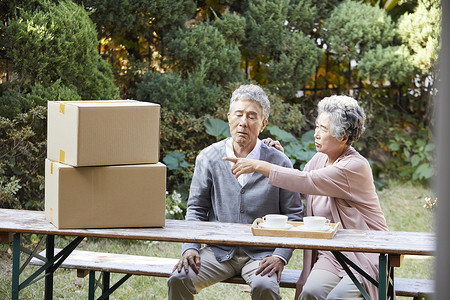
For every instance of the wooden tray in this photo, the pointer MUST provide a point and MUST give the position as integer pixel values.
(312, 234)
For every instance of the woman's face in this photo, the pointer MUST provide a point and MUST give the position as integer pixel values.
(324, 141)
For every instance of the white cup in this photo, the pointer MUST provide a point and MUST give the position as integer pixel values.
(274, 220)
(315, 222)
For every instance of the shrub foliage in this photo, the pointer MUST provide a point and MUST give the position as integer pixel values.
(190, 55)
(22, 154)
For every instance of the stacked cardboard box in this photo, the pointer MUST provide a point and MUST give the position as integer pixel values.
(102, 166)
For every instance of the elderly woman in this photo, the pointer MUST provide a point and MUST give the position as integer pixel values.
(337, 183)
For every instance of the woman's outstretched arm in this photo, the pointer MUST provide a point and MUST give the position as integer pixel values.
(247, 165)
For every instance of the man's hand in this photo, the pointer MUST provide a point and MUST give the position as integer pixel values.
(271, 265)
(190, 258)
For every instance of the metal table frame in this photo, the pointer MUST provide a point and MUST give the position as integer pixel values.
(52, 262)
(389, 246)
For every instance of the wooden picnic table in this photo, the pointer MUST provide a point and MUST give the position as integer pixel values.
(388, 244)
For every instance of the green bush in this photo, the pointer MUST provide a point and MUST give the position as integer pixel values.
(293, 68)
(354, 27)
(420, 31)
(387, 64)
(59, 42)
(175, 206)
(185, 134)
(231, 26)
(182, 132)
(22, 155)
(413, 157)
(204, 47)
(265, 27)
(278, 52)
(14, 101)
(192, 95)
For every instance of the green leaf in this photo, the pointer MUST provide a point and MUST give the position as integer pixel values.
(308, 140)
(175, 160)
(407, 154)
(415, 160)
(430, 147)
(217, 128)
(17, 170)
(281, 135)
(424, 171)
(420, 143)
(394, 146)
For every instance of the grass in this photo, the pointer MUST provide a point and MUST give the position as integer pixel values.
(401, 203)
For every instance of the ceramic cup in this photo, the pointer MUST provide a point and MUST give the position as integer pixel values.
(315, 222)
(276, 221)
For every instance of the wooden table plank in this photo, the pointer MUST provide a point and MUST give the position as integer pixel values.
(409, 243)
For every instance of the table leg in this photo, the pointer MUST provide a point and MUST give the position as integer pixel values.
(106, 282)
(382, 277)
(343, 261)
(50, 265)
(16, 267)
(106, 294)
(91, 285)
(49, 253)
(391, 286)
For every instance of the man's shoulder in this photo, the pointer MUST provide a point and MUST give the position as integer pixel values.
(213, 151)
(275, 156)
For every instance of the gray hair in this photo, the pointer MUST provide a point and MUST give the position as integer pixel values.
(252, 92)
(346, 117)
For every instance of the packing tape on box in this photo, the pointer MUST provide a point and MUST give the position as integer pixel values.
(62, 156)
(110, 101)
(62, 105)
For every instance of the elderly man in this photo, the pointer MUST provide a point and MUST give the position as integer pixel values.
(216, 195)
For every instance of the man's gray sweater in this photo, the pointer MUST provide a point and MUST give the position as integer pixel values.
(216, 195)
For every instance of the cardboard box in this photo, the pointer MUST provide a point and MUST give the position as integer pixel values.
(106, 196)
(93, 133)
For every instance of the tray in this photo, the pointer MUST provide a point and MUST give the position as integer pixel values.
(291, 232)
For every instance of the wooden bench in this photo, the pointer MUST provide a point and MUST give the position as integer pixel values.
(88, 262)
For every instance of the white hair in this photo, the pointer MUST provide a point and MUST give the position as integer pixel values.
(255, 93)
(346, 117)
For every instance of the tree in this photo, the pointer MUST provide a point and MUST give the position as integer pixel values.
(136, 22)
(354, 28)
(276, 47)
(421, 31)
(52, 49)
(132, 33)
(190, 55)
(387, 64)
(192, 95)
(204, 46)
(298, 60)
(15, 100)
(58, 42)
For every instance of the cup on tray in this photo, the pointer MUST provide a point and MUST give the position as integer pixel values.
(275, 221)
(315, 222)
